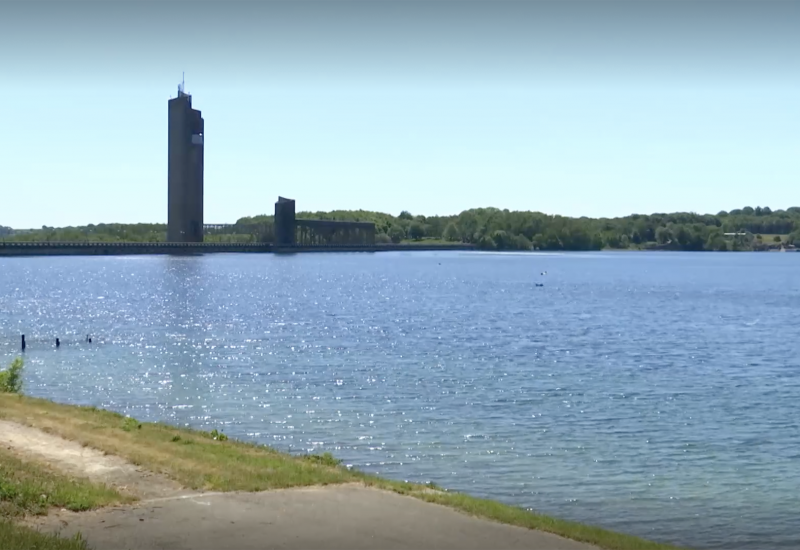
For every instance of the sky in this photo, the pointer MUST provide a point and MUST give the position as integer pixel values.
(598, 108)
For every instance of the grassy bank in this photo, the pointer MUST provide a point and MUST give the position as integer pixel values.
(30, 489)
(27, 488)
(209, 461)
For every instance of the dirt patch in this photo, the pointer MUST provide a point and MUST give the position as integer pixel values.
(75, 459)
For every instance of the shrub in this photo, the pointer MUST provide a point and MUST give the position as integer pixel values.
(219, 436)
(129, 424)
(11, 379)
(326, 459)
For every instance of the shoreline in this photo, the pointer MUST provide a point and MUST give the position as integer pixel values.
(16, 249)
(209, 461)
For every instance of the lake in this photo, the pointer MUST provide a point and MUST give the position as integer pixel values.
(650, 393)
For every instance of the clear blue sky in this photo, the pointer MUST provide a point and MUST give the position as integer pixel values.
(577, 108)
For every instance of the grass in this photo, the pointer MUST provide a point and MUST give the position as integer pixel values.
(27, 488)
(769, 238)
(209, 461)
(431, 241)
(198, 460)
(16, 537)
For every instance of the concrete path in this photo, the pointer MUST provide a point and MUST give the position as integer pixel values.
(339, 517)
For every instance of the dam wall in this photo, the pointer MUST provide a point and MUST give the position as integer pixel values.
(119, 249)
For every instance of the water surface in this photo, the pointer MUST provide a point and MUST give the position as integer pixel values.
(651, 393)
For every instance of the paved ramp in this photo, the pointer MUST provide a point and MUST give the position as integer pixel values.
(340, 517)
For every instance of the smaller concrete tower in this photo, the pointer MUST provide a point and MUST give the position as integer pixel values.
(185, 178)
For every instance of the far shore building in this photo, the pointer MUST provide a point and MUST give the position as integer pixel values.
(293, 231)
(185, 193)
(185, 172)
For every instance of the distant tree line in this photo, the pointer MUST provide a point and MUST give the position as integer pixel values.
(494, 229)
(104, 232)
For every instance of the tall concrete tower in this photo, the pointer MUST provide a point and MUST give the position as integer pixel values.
(185, 180)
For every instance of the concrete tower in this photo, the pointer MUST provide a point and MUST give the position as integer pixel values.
(185, 180)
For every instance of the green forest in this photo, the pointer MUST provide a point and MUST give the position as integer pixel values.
(747, 228)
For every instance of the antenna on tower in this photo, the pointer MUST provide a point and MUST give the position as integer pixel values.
(183, 85)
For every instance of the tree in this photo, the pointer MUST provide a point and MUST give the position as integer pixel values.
(416, 231)
(663, 235)
(468, 224)
(683, 236)
(776, 238)
(486, 243)
(382, 238)
(397, 234)
(715, 240)
(405, 215)
(451, 232)
(503, 241)
(612, 240)
(551, 241)
(523, 243)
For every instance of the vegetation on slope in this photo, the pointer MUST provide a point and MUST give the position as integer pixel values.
(11, 378)
(27, 489)
(493, 229)
(208, 461)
